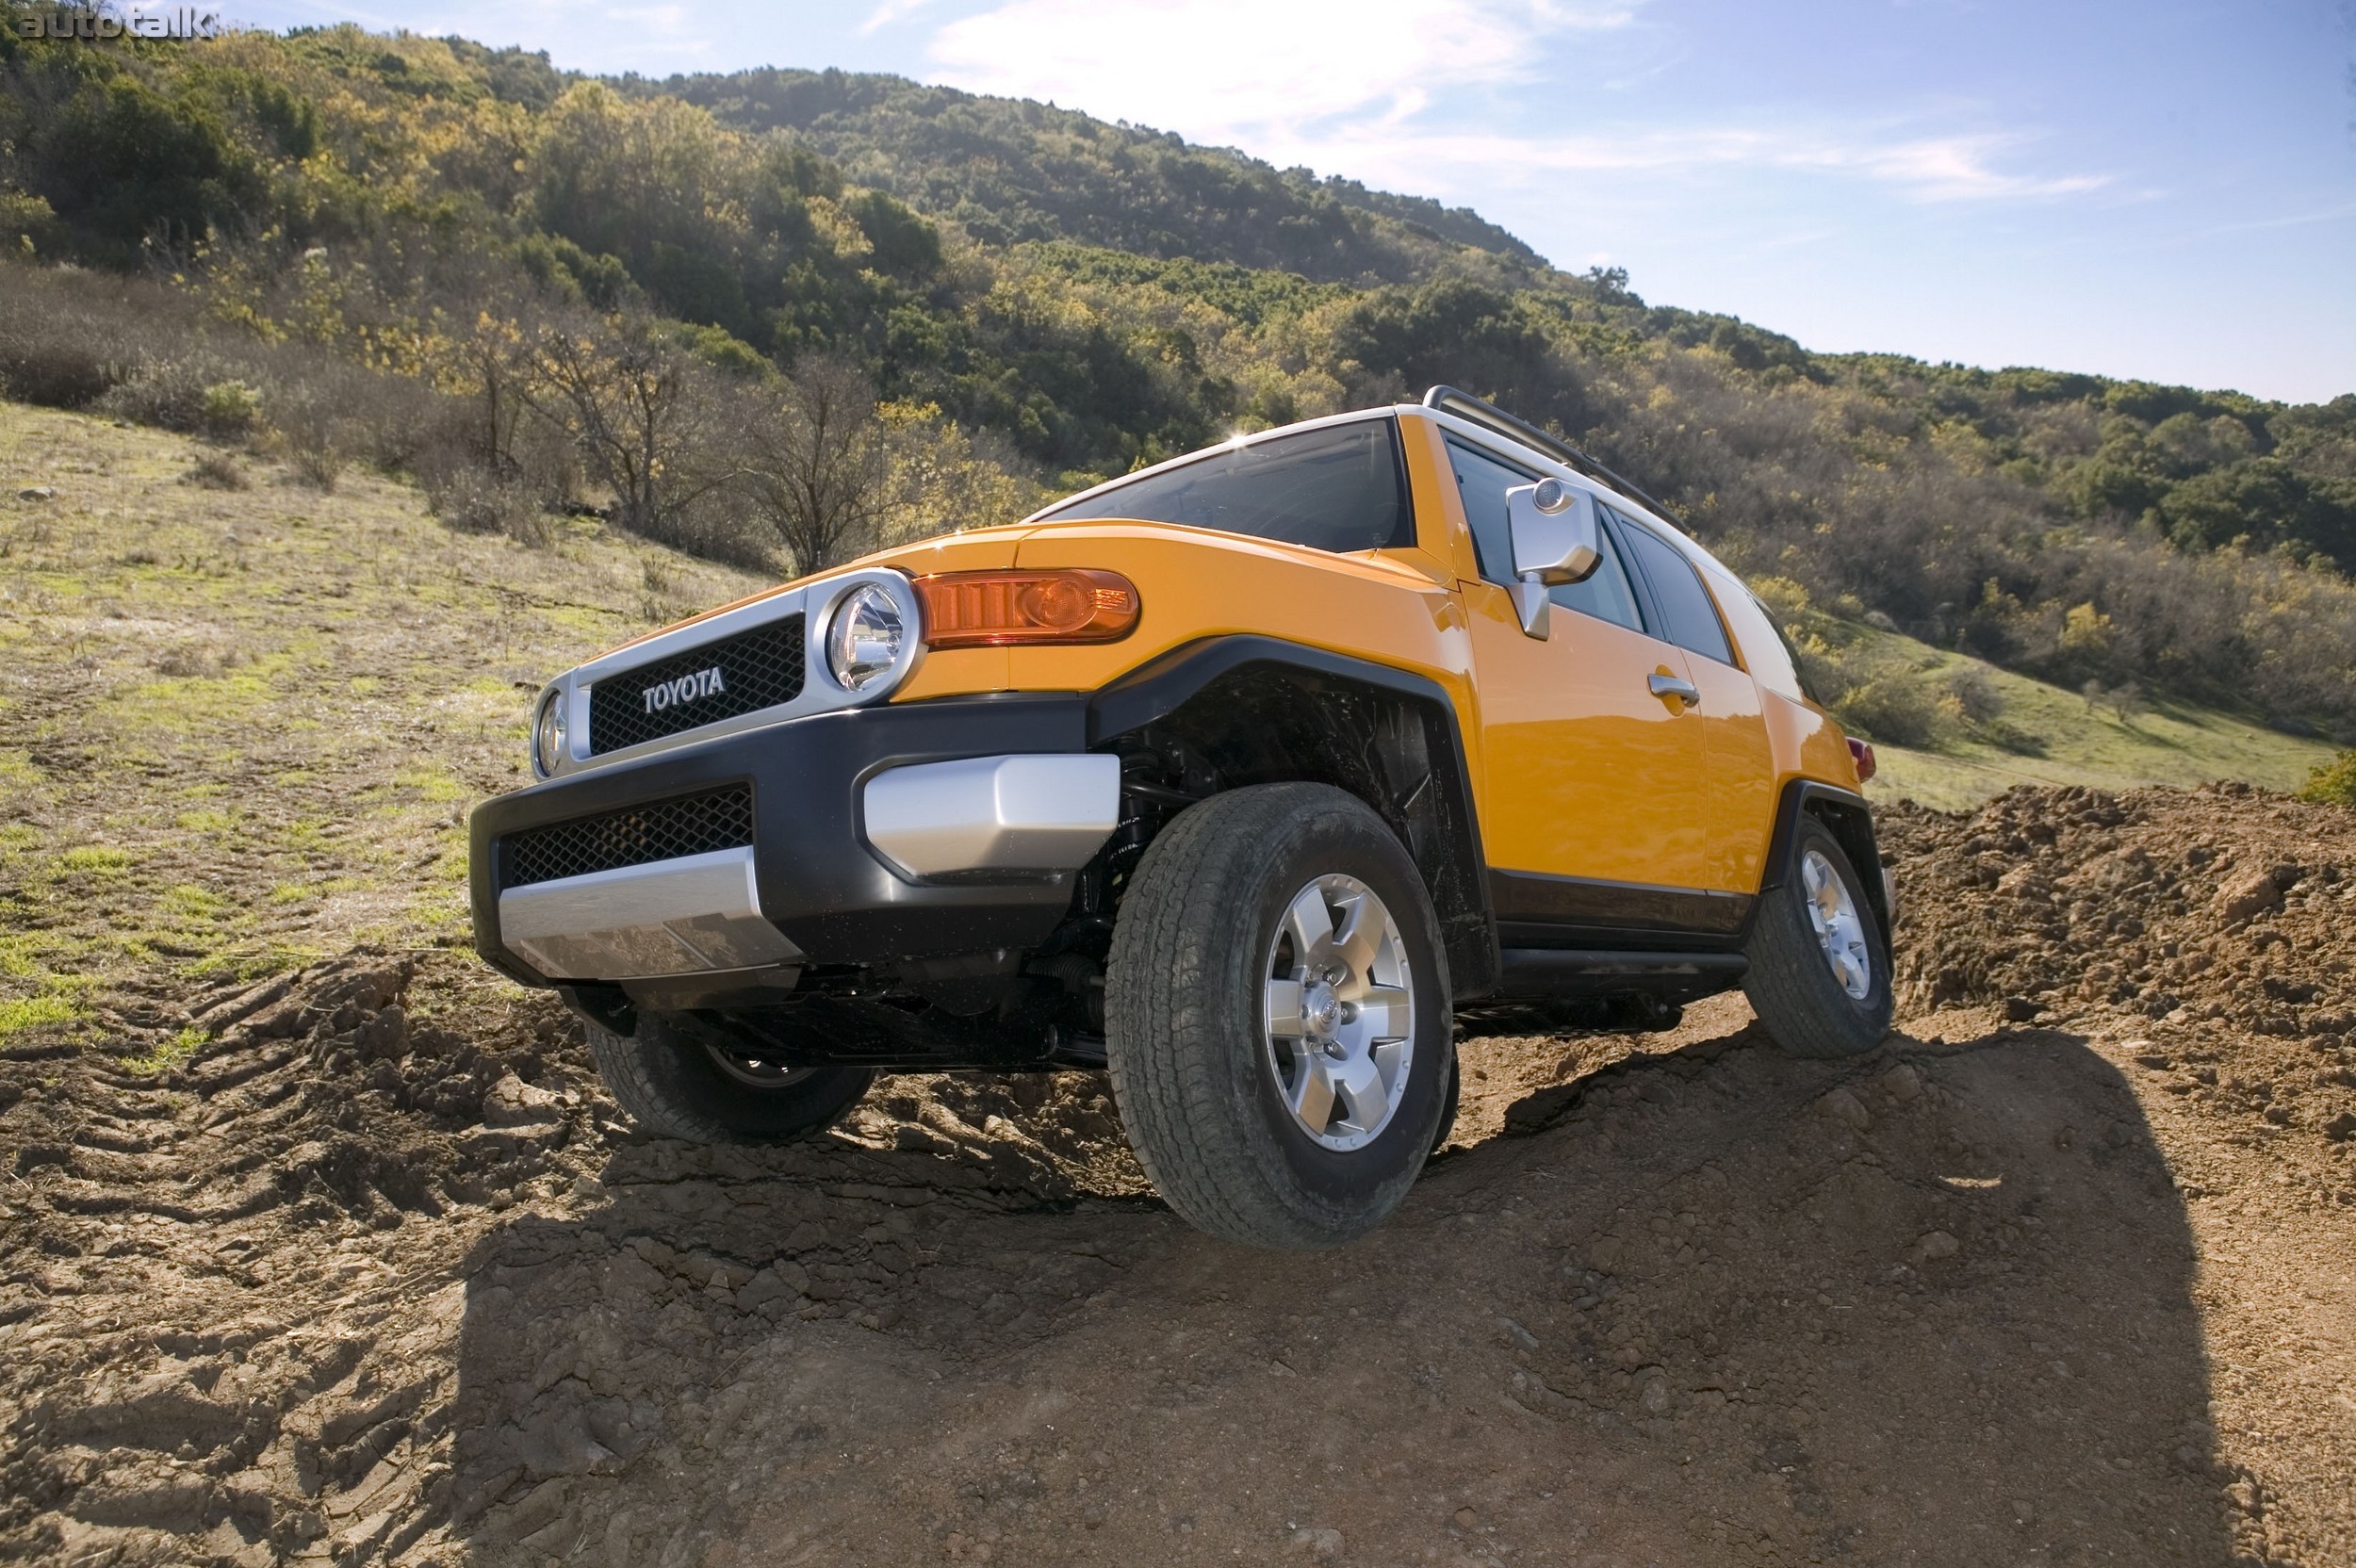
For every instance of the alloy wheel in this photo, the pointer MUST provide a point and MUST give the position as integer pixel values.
(1339, 1012)
(1839, 928)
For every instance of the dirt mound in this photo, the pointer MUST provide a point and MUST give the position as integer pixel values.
(361, 1266)
(2225, 917)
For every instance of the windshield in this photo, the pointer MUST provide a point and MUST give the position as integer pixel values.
(1340, 488)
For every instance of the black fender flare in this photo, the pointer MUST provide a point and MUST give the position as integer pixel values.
(1162, 685)
(1845, 813)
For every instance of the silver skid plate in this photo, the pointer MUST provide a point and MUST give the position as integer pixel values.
(688, 916)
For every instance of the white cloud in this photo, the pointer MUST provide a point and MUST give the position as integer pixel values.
(1924, 169)
(1218, 69)
(1401, 93)
(889, 11)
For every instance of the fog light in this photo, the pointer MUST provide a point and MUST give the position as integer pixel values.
(864, 639)
(548, 735)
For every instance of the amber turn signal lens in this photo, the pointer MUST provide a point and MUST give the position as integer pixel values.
(972, 610)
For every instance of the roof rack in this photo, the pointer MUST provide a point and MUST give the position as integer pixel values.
(1466, 407)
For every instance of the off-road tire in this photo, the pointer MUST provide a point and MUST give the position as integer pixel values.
(1805, 1010)
(1185, 1031)
(666, 1079)
(1451, 1095)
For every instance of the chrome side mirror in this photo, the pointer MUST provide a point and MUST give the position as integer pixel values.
(1556, 540)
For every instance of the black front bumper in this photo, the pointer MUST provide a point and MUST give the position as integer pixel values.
(819, 882)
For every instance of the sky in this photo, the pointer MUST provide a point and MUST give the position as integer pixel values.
(2154, 189)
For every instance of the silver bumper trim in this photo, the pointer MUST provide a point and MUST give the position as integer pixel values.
(688, 916)
(984, 814)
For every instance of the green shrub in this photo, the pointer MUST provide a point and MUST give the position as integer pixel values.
(228, 408)
(1898, 705)
(2333, 783)
(2011, 737)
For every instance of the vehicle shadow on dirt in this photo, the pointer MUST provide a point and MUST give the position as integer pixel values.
(1714, 1305)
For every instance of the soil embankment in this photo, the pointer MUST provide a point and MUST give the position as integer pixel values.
(2062, 1274)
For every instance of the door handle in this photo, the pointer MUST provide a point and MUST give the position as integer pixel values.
(1687, 694)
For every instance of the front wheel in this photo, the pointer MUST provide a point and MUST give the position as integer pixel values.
(1277, 1017)
(680, 1079)
(1819, 978)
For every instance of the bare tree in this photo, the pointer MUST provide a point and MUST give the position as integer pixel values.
(488, 360)
(817, 463)
(629, 399)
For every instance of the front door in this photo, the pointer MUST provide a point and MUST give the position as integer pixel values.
(1594, 813)
(1741, 808)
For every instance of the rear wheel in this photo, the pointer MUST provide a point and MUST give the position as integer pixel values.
(680, 1079)
(1277, 1017)
(1819, 978)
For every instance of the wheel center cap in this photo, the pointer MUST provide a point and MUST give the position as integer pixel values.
(1319, 1008)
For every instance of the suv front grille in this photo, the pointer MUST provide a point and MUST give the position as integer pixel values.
(661, 830)
(757, 669)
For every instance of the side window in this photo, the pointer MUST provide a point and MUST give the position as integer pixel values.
(1678, 593)
(1766, 651)
(1484, 480)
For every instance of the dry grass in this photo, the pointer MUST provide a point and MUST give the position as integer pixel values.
(218, 471)
(241, 727)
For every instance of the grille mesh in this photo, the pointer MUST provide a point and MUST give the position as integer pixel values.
(661, 830)
(758, 669)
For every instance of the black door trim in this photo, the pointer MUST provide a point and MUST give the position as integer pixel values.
(1572, 972)
(1536, 910)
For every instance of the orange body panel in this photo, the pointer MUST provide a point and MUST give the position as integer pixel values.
(1442, 541)
(1194, 583)
(1764, 735)
(1807, 744)
(1738, 809)
(1589, 774)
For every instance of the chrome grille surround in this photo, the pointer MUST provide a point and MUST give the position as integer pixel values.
(813, 602)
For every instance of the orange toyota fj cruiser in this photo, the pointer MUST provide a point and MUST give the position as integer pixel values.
(1256, 777)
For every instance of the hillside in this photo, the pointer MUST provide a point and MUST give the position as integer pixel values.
(1030, 299)
(1007, 172)
(2034, 733)
(322, 1243)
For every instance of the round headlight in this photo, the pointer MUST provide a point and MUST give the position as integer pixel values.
(548, 735)
(864, 639)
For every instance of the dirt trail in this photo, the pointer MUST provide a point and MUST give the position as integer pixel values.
(2063, 1274)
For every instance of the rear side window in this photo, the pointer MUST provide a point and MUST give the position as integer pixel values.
(1767, 652)
(1690, 619)
(1484, 480)
(1341, 488)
